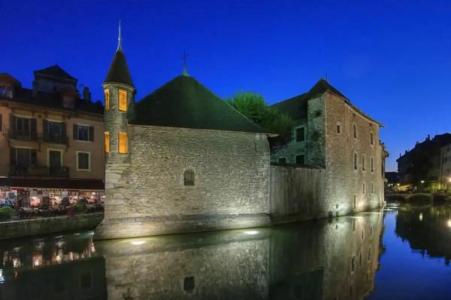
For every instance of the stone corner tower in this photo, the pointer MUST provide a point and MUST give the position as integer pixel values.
(119, 94)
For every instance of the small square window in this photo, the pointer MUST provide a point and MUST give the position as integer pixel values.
(300, 159)
(188, 284)
(282, 160)
(188, 178)
(338, 128)
(83, 161)
(300, 134)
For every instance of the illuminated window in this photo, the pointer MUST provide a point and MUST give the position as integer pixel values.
(122, 100)
(188, 177)
(107, 142)
(123, 142)
(107, 99)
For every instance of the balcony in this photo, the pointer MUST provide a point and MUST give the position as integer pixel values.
(38, 171)
(55, 139)
(23, 135)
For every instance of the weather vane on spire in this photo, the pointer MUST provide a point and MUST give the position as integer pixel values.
(185, 64)
(119, 38)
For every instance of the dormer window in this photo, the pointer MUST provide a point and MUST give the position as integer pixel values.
(123, 100)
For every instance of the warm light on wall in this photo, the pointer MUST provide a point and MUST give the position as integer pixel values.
(137, 242)
(107, 142)
(251, 232)
(123, 142)
(449, 223)
(122, 100)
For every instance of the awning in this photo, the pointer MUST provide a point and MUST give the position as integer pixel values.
(70, 184)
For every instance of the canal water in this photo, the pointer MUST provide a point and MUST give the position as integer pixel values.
(402, 252)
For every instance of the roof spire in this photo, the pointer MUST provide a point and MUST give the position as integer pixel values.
(119, 38)
(185, 67)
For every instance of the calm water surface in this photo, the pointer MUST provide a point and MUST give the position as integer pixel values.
(401, 253)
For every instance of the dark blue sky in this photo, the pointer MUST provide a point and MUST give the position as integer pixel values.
(391, 58)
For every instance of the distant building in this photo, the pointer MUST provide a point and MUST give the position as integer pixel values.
(445, 167)
(422, 165)
(51, 138)
(332, 134)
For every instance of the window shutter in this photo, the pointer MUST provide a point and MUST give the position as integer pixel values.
(33, 157)
(33, 127)
(45, 126)
(13, 156)
(75, 130)
(12, 122)
(91, 133)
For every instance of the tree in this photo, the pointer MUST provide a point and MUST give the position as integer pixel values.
(254, 107)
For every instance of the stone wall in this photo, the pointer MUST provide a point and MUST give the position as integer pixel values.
(44, 226)
(146, 193)
(348, 189)
(296, 193)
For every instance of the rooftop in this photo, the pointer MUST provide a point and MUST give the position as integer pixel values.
(184, 102)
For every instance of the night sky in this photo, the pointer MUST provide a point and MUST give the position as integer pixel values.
(391, 58)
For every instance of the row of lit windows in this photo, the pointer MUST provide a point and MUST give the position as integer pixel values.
(123, 103)
(123, 142)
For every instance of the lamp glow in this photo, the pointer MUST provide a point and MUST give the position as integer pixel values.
(449, 223)
(137, 243)
(251, 232)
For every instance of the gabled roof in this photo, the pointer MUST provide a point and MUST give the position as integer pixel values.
(118, 72)
(296, 107)
(54, 71)
(184, 102)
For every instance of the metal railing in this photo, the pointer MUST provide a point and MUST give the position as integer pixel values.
(36, 171)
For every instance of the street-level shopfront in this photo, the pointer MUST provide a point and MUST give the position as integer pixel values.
(39, 192)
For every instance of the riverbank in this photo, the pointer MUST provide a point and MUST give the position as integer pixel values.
(50, 225)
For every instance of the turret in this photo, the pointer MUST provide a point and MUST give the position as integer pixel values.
(119, 101)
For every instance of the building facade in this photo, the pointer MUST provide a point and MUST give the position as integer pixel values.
(179, 160)
(422, 166)
(445, 168)
(333, 135)
(51, 138)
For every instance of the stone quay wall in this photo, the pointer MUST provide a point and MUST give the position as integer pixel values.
(44, 226)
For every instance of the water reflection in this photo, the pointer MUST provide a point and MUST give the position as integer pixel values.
(334, 259)
(426, 228)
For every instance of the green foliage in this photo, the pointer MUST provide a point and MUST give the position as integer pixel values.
(6, 213)
(255, 108)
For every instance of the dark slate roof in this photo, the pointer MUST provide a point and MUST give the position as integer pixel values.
(55, 71)
(184, 102)
(118, 71)
(296, 107)
(53, 100)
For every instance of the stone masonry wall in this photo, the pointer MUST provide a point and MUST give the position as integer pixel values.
(296, 193)
(349, 189)
(146, 194)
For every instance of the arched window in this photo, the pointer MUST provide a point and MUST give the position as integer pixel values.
(188, 177)
(107, 99)
(123, 100)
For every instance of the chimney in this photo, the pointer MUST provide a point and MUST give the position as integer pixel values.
(86, 94)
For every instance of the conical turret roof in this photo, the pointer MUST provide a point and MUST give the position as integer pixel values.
(118, 72)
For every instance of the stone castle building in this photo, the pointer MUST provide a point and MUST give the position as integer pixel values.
(341, 142)
(181, 159)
